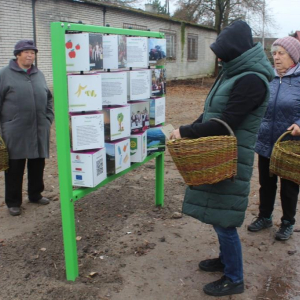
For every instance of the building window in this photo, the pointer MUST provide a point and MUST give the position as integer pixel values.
(170, 37)
(134, 26)
(192, 47)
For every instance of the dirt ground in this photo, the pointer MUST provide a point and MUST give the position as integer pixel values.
(138, 251)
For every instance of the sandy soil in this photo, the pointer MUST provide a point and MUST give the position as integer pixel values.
(138, 251)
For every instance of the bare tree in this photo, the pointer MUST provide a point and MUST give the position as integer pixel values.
(220, 13)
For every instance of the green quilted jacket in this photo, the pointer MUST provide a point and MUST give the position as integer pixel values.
(225, 202)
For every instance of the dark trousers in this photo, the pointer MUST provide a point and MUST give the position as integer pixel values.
(14, 180)
(267, 193)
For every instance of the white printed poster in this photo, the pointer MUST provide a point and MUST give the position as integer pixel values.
(137, 52)
(87, 131)
(88, 168)
(138, 147)
(114, 88)
(139, 84)
(84, 93)
(77, 52)
(110, 52)
(157, 111)
(117, 122)
(118, 156)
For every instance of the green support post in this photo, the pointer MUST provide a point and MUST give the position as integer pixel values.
(67, 195)
(159, 180)
(63, 149)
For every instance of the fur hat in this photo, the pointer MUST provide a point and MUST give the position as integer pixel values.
(24, 45)
(291, 45)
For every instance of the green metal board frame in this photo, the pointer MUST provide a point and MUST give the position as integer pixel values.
(67, 195)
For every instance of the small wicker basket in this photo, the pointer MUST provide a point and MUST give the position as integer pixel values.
(3, 156)
(205, 160)
(285, 159)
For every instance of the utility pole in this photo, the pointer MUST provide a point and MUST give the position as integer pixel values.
(263, 24)
(168, 7)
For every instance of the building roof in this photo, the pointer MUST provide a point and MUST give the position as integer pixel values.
(140, 11)
(297, 35)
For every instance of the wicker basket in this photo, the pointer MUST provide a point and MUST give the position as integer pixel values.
(205, 160)
(3, 156)
(285, 159)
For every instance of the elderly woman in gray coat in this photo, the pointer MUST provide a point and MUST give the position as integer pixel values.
(26, 115)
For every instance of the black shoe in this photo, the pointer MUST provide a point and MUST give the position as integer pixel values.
(285, 231)
(14, 211)
(212, 265)
(259, 224)
(223, 287)
(42, 201)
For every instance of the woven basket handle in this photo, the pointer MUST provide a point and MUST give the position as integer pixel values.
(283, 135)
(225, 124)
(2, 142)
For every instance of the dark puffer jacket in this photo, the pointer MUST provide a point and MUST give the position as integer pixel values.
(283, 111)
(224, 203)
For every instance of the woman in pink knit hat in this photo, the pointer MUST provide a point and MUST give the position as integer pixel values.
(283, 113)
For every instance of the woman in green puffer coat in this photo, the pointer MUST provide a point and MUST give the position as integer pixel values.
(239, 97)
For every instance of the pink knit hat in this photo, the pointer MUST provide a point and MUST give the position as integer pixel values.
(291, 45)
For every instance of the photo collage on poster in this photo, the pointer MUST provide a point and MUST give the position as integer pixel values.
(116, 96)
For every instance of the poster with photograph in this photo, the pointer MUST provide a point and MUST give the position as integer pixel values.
(110, 52)
(87, 131)
(157, 111)
(77, 52)
(157, 51)
(114, 88)
(139, 84)
(88, 167)
(139, 115)
(116, 122)
(117, 156)
(96, 51)
(84, 92)
(122, 51)
(159, 80)
(156, 140)
(137, 52)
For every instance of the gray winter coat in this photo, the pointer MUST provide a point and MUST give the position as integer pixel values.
(26, 112)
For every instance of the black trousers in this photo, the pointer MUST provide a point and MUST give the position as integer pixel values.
(14, 180)
(267, 193)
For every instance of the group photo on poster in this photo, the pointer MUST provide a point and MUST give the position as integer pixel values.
(158, 87)
(96, 51)
(122, 53)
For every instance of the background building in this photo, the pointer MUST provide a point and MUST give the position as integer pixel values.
(188, 52)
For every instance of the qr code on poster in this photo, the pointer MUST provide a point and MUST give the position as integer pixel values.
(99, 166)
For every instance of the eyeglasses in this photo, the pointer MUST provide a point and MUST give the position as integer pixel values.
(280, 53)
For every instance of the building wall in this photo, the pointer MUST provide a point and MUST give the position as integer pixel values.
(15, 24)
(66, 11)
